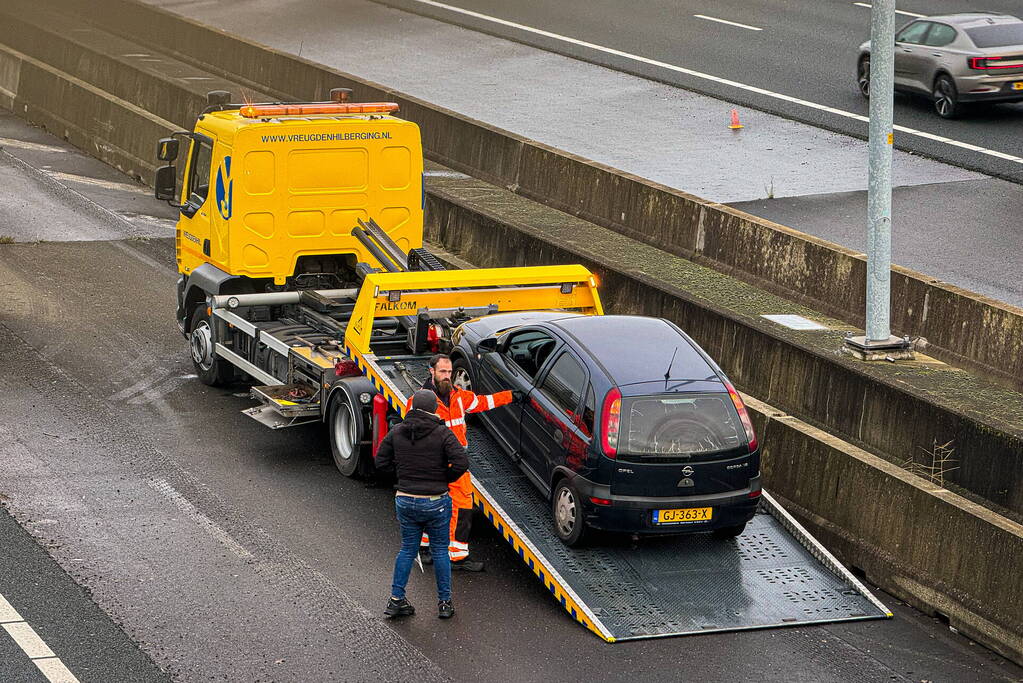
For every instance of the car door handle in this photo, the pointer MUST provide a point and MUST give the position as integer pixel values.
(937, 54)
(906, 49)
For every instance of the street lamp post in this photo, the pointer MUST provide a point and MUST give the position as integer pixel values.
(878, 340)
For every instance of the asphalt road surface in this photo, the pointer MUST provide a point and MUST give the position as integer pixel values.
(951, 224)
(803, 54)
(226, 551)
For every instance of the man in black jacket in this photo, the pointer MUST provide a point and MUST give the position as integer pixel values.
(426, 456)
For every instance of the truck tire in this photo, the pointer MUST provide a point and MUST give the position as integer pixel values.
(212, 371)
(345, 425)
(567, 509)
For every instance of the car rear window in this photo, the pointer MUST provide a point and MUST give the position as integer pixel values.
(679, 424)
(996, 35)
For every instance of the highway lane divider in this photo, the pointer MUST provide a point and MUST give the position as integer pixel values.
(49, 664)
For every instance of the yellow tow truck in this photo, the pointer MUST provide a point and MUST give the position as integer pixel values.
(300, 260)
(299, 249)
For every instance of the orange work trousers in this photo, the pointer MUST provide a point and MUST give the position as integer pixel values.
(461, 518)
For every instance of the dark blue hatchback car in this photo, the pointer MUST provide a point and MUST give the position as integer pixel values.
(628, 425)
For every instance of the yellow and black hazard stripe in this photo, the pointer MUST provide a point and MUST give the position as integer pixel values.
(554, 583)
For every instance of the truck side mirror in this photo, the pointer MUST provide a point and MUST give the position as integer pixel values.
(166, 184)
(487, 345)
(167, 149)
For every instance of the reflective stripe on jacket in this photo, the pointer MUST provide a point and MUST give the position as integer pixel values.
(461, 402)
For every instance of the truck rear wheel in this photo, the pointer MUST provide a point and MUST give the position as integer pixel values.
(212, 371)
(345, 425)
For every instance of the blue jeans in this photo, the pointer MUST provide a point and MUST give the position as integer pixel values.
(416, 516)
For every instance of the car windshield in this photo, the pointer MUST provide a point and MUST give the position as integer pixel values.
(996, 35)
(680, 424)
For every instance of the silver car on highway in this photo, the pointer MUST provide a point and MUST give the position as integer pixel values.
(955, 58)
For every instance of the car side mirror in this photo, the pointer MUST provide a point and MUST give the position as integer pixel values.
(167, 149)
(166, 184)
(487, 345)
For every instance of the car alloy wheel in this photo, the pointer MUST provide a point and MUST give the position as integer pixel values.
(461, 379)
(863, 77)
(946, 98)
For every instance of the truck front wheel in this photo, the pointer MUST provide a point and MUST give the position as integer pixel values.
(212, 371)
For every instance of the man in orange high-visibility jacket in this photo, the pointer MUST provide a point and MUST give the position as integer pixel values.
(452, 405)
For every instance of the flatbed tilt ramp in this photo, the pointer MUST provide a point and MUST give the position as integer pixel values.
(774, 574)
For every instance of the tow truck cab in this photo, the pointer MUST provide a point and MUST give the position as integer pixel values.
(270, 194)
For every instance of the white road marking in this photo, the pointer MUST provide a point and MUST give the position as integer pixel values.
(215, 530)
(150, 389)
(7, 612)
(106, 184)
(33, 146)
(718, 79)
(898, 11)
(55, 670)
(725, 21)
(28, 640)
(136, 388)
(154, 394)
(32, 645)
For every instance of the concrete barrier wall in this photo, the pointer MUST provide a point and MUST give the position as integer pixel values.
(897, 527)
(107, 127)
(961, 327)
(870, 408)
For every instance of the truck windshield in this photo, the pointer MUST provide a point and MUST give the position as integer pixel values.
(680, 424)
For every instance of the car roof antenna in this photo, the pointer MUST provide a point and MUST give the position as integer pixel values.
(667, 373)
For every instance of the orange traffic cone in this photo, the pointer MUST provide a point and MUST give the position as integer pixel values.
(735, 125)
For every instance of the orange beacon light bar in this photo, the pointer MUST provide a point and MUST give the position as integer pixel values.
(255, 111)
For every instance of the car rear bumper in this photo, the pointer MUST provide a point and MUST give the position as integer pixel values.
(635, 514)
(1013, 96)
(989, 89)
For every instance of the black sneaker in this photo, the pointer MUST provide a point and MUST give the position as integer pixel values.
(467, 565)
(425, 556)
(399, 608)
(445, 610)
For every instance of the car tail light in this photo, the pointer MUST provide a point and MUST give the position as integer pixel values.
(984, 63)
(599, 501)
(740, 408)
(612, 421)
(755, 494)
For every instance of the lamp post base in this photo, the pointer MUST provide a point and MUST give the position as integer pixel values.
(891, 349)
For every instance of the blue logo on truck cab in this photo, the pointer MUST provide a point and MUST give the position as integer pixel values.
(224, 188)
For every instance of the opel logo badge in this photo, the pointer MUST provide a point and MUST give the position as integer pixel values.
(687, 471)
